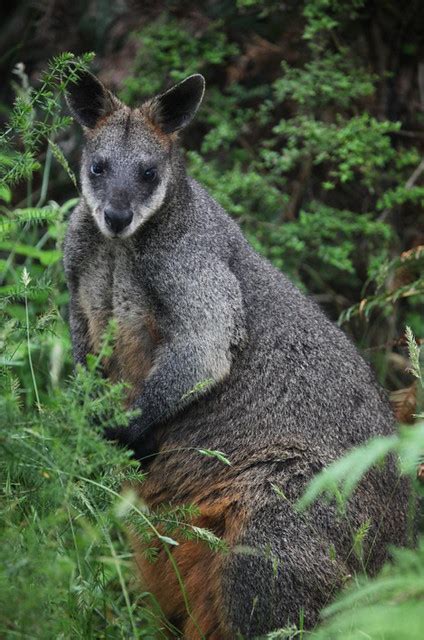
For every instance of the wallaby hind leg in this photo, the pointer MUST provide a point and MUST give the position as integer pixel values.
(192, 604)
(189, 590)
(283, 569)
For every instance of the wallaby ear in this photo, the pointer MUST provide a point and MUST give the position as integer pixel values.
(177, 107)
(89, 100)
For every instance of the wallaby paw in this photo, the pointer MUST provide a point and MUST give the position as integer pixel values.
(144, 446)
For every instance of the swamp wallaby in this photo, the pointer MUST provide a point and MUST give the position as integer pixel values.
(222, 352)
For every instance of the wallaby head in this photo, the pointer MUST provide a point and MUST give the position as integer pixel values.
(129, 162)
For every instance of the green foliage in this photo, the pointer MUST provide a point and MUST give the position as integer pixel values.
(64, 552)
(389, 606)
(342, 476)
(326, 80)
(323, 16)
(168, 51)
(383, 274)
(59, 482)
(29, 130)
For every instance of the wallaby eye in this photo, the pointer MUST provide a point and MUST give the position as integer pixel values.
(149, 174)
(97, 168)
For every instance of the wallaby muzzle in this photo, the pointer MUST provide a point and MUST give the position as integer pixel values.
(117, 221)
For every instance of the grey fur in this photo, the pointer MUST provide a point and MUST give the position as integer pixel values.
(287, 392)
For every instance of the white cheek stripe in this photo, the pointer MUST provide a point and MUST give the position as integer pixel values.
(146, 211)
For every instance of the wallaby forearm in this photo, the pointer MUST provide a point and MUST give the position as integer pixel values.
(79, 335)
(184, 371)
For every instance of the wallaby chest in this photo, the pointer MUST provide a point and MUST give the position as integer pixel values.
(111, 287)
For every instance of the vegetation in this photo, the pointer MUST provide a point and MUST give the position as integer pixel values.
(307, 137)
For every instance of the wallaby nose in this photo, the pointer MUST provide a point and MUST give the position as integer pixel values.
(117, 221)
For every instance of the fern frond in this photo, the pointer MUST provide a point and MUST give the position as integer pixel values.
(344, 475)
(31, 216)
(58, 155)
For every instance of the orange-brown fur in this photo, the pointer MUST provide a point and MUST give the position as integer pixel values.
(149, 113)
(133, 352)
(133, 355)
(103, 120)
(199, 567)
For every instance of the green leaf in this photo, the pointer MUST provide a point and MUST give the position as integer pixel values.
(342, 476)
(58, 154)
(45, 257)
(168, 540)
(5, 193)
(215, 454)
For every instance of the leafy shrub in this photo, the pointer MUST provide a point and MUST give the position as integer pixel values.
(64, 551)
